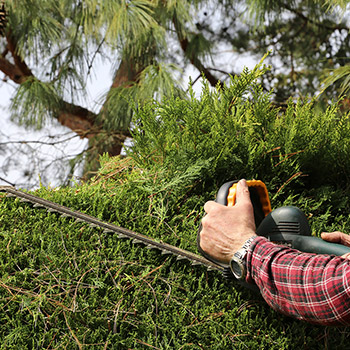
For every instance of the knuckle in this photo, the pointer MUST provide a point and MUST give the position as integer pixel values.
(205, 223)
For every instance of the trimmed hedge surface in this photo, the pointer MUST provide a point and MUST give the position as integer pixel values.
(65, 285)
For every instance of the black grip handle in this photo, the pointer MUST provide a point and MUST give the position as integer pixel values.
(221, 196)
(319, 246)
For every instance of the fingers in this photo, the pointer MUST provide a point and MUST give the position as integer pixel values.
(210, 205)
(346, 256)
(226, 228)
(336, 237)
(242, 197)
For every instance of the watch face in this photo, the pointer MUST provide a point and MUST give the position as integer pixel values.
(237, 269)
(237, 263)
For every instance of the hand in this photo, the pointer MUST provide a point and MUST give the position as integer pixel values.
(337, 237)
(225, 229)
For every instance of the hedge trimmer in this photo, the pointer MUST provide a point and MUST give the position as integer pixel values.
(286, 225)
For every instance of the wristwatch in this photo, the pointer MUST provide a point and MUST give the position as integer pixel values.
(237, 264)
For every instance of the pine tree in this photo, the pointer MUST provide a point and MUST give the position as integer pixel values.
(318, 58)
(65, 38)
(2, 17)
(48, 49)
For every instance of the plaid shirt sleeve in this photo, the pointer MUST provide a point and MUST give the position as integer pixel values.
(309, 287)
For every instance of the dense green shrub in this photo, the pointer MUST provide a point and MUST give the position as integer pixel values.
(235, 132)
(65, 285)
(300, 152)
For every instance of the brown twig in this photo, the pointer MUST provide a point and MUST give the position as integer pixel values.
(73, 334)
(288, 181)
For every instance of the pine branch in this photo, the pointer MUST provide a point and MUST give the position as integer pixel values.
(11, 70)
(19, 62)
(3, 19)
(312, 21)
(79, 119)
(126, 74)
(184, 43)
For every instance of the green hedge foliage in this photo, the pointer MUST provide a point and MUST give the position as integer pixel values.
(236, 131)
(65, 285)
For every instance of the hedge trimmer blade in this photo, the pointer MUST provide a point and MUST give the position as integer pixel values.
(135, 237)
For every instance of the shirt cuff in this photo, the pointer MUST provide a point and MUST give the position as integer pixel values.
(256, 245)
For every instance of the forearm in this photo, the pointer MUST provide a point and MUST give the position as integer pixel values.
(314, 288)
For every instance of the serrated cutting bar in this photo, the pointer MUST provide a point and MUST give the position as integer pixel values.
(137, 238)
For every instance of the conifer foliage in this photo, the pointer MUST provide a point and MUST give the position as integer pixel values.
(49, 49)
(73, 286)
(236, 131)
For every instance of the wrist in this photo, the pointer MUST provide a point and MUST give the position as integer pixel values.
(240, 242)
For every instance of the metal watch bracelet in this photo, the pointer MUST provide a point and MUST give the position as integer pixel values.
(237, 265)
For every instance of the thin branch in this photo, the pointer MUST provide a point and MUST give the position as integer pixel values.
(37, 142)
(10, 183)
(184, 42)
(307, 19)
(19, 62)
(73, 334)
(94, 56)
(219, 70)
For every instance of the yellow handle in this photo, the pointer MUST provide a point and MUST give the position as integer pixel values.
(261, 190)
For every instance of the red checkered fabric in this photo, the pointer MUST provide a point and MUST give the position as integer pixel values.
(309, 287)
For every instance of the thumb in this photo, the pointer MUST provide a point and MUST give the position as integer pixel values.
(211, 205)
(242, 192)
(346, 256)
